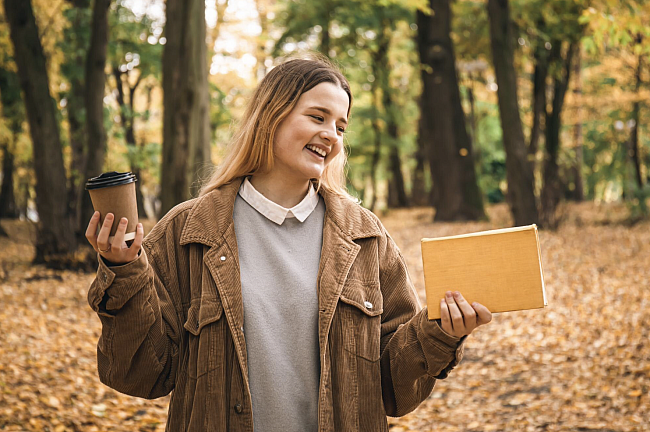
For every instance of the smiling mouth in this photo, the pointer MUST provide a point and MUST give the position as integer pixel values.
(317, 151)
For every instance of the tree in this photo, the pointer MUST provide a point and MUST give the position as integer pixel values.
(75, 43)
(13, 111)
(450, 148)
(95, 79)
(132, 62)
(186, 133)
(521, 192)
(55, 236)
(561, 57)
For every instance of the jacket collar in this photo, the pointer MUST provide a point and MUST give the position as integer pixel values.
(211, 215)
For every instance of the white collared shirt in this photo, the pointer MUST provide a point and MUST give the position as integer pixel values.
(275, 212)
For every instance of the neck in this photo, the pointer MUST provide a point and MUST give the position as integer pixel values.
(281, 191)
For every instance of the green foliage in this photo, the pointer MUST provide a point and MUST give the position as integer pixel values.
(134, 43)
(639, 204)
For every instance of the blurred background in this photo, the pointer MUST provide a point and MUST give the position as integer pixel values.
(458, 105)
(467, 115)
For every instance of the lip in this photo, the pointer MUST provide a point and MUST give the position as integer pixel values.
(314, 155)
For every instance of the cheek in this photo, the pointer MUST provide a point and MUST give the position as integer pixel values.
(338, 148)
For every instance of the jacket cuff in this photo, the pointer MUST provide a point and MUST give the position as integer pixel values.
(124, 282)
(442, 351)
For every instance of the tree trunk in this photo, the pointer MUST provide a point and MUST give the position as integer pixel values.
(186, 127)
(419, 195)
(396, 189)
(397, 197)
(13, 113)
(95, 78)
(539, 101)
(578, 187)
(450, 150)
(76, 38)
(552, 185)
(55, 236)
(78, 139)
(325, 38)
(521, 191)
(634, 133)
(8, 209)
(127, 118)
(376, 154)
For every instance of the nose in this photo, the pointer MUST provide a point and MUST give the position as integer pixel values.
(328, 134)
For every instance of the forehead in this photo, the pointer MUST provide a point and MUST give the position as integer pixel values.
(327, 95)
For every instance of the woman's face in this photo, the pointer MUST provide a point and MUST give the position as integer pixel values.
(311, 135)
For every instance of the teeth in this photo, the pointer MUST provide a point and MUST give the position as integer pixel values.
(317, 150)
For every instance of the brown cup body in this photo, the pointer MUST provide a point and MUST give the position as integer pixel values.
(119, 200)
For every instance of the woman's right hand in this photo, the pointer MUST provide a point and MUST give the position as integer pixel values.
(117, 252)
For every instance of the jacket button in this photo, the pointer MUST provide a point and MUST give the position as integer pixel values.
(367, 304)
(223, 258)
(239, 409)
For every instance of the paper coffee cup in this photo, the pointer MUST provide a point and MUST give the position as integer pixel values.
(113, 192)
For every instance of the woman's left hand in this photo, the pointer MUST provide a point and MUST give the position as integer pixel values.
(458, 317)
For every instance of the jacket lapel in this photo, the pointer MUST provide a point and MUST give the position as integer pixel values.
(210, 222)
(345, 222)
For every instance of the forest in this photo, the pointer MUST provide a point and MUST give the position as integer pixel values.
(458, 105)
(468, 115)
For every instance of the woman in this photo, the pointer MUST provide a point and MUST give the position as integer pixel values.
(273, 299)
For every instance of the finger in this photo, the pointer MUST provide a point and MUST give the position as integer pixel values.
(118, 239)
(91, 231)
(456, 316)
(469, 314)
(484, 315)
(137, 242)
(104, 232)
(445, 319)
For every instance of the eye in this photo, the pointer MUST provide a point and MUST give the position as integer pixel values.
(319, 118)
(341, 130)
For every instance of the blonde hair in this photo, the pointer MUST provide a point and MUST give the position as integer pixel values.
(251, 149)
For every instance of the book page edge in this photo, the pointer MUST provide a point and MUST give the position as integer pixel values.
(481, 233)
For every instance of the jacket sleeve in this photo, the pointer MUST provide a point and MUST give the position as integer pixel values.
(415, 352)
(137, 352)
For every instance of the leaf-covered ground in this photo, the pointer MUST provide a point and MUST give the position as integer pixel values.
(581, 364)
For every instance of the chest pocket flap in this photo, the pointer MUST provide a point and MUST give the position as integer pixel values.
(202, 313)
(364, 296)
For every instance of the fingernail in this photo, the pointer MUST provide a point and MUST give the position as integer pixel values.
(456, 294)
(140, 225)
(123, 221)
(109, 216)
(95, 214)
(475, 304)
(448, 294)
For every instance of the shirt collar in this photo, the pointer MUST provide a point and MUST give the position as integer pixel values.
(275, 212)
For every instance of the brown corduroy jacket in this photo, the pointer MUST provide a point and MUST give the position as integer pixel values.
(172, 320)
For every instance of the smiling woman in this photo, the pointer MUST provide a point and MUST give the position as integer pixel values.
(274, 301)
(298, 103)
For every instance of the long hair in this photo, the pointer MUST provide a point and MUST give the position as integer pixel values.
(251, 149)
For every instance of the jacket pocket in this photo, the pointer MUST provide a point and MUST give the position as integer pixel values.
(206, 336)
(362, 306)
(201, 314)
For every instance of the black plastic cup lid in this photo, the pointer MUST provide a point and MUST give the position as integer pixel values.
(109, 179)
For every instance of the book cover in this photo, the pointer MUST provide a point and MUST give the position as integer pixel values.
(501, 269)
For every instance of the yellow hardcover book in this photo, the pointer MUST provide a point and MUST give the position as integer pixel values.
(501, 269)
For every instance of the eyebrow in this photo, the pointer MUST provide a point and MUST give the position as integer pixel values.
(328, 112)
